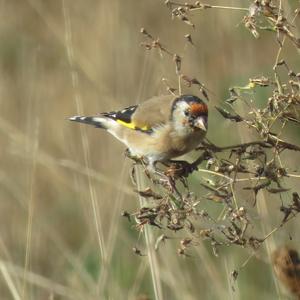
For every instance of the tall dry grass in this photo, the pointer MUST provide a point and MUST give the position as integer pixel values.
(63, 187)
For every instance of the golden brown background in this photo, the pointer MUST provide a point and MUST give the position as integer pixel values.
(63, 186)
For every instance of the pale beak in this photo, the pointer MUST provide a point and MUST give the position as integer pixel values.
(201, 123)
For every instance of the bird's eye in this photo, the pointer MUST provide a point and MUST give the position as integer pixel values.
(186, 113)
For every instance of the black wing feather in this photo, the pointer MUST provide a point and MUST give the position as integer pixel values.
(124, 115)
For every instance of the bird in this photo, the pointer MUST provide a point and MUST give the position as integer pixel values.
(157, 130)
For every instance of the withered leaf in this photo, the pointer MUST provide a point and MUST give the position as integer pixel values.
(277, 190)
(148, 193)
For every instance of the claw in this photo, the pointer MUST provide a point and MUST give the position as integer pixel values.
(180, 169)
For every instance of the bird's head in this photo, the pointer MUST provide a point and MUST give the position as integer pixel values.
(189, 113)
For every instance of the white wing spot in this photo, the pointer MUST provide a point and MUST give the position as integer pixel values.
(97, 119)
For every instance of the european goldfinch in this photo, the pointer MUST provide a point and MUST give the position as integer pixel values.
(158, 129)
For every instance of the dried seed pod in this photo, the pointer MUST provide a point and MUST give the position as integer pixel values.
(188, 37)
(185, 243)
(137, 251)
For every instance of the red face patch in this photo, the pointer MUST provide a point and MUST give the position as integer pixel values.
(198, 109)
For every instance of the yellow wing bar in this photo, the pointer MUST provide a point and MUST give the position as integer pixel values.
(131, 125)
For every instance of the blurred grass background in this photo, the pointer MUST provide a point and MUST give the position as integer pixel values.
(63, 187)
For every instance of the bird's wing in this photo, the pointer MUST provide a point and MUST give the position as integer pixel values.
(153, 112)
(123, 117)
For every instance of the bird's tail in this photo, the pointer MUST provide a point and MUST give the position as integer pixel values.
(97, 121)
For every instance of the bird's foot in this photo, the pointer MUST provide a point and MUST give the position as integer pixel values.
(166, 182)
(180, 168)
(136, 159)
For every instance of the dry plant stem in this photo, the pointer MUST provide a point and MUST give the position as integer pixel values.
(258, 158)
(232, 287)
(270, 243)
(210, 266)
(217, 174)
(7, 278)
(276, 142)
(221, 7)
(138, 279)
(52, 287)
(244, 264)
(82, 63)
(112, 235)
(277, 79)
(59, 243)
(207, 6)
(179, 84)
(46, 160)
(40, 223)
(261, 206)
(255, 178)
(152, 255)
(279, 227)
(78, 102)
(30, 206)
(16, 286)
(267, 236)
(270, 141)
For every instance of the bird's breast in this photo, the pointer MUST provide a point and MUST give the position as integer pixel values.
(164, 143)
(187, 143)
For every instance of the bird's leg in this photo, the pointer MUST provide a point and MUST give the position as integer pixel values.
(152, 170)
(163, 178)
(169, 182)
(180, 168)
(149, 167)
(136, 159)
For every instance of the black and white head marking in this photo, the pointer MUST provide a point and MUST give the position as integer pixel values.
(189, 113)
